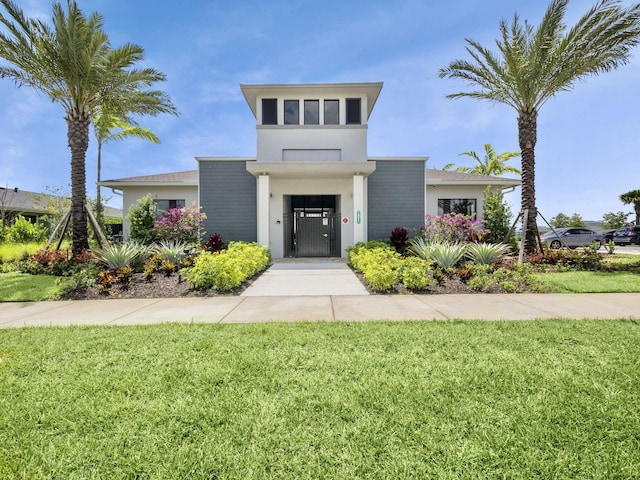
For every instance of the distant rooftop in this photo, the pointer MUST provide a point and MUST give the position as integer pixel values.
(23, 201)
(187, 177)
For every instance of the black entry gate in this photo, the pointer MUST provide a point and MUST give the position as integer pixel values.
(312, 234)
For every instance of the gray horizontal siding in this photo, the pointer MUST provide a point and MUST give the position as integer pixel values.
(395, 197)
(228, 197)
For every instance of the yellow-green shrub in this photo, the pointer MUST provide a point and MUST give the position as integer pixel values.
(227, 269)
(381, 266)
(417, 274)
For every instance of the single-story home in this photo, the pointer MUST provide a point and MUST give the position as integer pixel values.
(33, 205)
(312, 189)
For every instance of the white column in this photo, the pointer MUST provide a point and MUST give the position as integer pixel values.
(263, 210)
(358, 209)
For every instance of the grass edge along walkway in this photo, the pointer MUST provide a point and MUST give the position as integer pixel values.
(545, 399)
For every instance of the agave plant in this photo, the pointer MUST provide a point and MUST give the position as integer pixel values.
(172, 250)
(421, 248)
(448, 254)
(444, 254)
(486, 253)
(119, 255)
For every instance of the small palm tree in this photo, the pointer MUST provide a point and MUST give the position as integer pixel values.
(73, 63)
(108, 128)
(533, 64)
(632, 198)
(492, 164)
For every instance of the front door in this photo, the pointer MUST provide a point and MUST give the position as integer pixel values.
(312, 228)
(314, 233)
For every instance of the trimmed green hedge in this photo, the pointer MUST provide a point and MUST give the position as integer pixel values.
(227, 269)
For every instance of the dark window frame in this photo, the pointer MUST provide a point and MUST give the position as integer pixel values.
(269, 111)
(325, 104)
(308, 119)
(471, 204)
(288, 115)
(354, 111)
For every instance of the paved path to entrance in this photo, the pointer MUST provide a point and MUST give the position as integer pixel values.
(312, 277)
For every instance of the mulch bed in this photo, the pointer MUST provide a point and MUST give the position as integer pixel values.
(174, 286)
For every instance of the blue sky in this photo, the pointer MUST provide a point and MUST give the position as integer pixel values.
(588, 139)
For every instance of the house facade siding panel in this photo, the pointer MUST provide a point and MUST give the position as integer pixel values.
(395, 197)
(228, 197)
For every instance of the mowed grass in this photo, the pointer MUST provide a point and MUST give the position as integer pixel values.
(543, 399)
(591, 282)
(10, 252)
(22, 287)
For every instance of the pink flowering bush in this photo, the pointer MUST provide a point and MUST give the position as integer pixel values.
(452, 227)
(180, 225)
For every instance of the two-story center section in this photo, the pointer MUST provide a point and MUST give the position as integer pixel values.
(312, 189)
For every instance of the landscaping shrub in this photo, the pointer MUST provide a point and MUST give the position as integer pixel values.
(452, 228)
(142, 217)
(567, 259)
(417, 274)
(398, 239)
(497, 215)
(519, 279)
(119, 255)
(379, 263)
(228, 268)
(448, 254)
(354, 251)
(80, 277)
(180, 224)
(172, 250)
(486, 253)
(214, 243)
(23, 231)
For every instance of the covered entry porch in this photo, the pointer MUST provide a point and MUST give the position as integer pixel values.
(311, 209)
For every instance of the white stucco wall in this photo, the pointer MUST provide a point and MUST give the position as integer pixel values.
(350, 140)
(130, 195)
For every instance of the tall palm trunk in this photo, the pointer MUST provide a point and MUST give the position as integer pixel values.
(78, 137)
(99, 207)
(527, 135)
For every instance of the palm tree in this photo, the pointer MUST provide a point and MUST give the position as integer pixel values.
(492, 164)
(632, 198)
(108, 128)
(533, 65)
(72, 62)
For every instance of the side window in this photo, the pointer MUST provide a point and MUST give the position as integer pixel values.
(354, 115)
(269, 111)
(163, 205)
(465, 206)
(291, 112)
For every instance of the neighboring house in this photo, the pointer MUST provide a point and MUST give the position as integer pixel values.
(33, 205)
(312, 189)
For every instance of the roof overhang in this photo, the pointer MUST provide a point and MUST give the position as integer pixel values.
(251, 92)
(311, 169)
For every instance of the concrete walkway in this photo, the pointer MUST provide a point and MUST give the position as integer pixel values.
(293, 277)
(317, 291)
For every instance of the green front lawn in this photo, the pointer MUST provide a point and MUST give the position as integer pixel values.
(591, 282)
(543, 399)
(22, 287)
